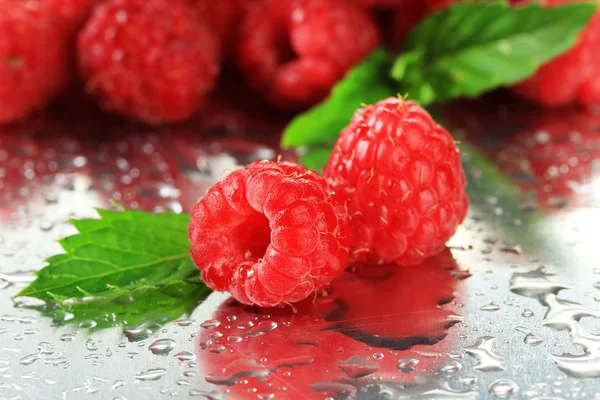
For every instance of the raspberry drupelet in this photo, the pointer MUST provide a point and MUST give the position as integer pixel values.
(401, 175)
(271, 233)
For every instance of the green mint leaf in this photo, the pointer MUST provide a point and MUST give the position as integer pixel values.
(367, 82)
(471, 48)
(119, 251)
(141, 310)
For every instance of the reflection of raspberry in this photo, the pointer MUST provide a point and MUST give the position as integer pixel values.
(270, 233)
(336, 337)
(33, 61)
(150, 59)
(563, 80)
(294, 51)
(404, 182)
(556, 156)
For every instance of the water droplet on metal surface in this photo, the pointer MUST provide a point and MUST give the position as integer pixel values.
(490, 307)
(162, 347)
(527, 313)
(207, 395)
(486, 356)
(185, 356)
(407, 364)
(91, 344)
(358, 366)
(536, 284)
(152, 374)
(503, 388)
(210, 324)
(138, 332)
(451, 367)
(261, 328)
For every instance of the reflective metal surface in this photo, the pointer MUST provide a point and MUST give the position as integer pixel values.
(510, 310)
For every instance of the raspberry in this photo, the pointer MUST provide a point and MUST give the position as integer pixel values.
(71, 12)
(404, 19)
(148, 59)
(381, 3)
(402, 177)
(222, 17)
(270, 233)
(33, 59)
(564, 80)
(294, 51)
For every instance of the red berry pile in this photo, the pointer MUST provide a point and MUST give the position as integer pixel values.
(393, 192)
(160, 61)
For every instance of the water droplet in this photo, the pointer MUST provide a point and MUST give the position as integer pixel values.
(185, 322)
(91, 344)
(490, 307)
(503, 388)
(532, 339)
(535, 284)
(357, 367)
(207, 395)
(247, 367)
(451, 367)
(216, 348)
(152, 374)
(486, 356)
(515, 249)
(138, 332)
(527, 313)
(468, 380)
(407, 364)
(46, 225)
(432, 387)
(210, 324)
(460, 274)
(162, 347)
(118, 384)
(88, 324)
(378, 356)
(30, 359)
(185, 356)
(234, 339)
(261, 328)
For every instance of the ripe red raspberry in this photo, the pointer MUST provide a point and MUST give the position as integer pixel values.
(70, 12)
(381, 3)
(405, 18)
(403, 180)
(294, 51)
(564, 80)
(33, 58)
(270, 233)
(148, 59)
(223, 17)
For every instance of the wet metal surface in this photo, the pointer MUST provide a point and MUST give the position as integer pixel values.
(510, 310)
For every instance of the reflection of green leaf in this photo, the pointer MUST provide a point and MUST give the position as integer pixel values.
(470, 48)
(118, 252)
(367, 82)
